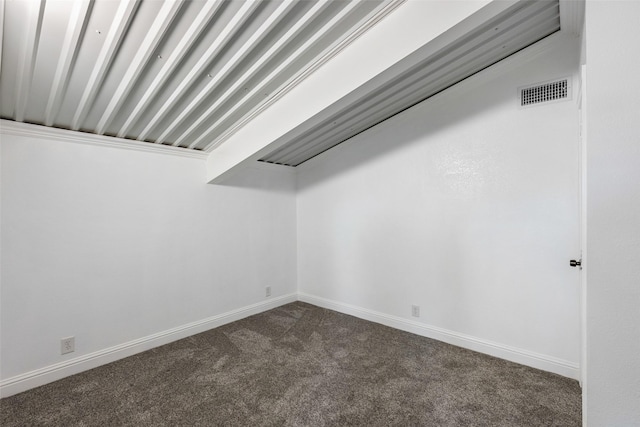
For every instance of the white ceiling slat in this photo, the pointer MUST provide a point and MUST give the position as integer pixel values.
(247, 112)
(78, 20)
(28, 57)
(264, 29)
(338, 18)
(229, 30)
(109, 83)
(121, 22)
(300, 24)
(254, 51)
(163, 21)
(1, 30)
(173, 62)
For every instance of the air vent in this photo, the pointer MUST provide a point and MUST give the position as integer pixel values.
(545, 92)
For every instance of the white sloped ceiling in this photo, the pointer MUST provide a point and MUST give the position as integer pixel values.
(181, 73)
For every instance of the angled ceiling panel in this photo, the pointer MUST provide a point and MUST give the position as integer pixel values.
(425, 73)
(180, 73)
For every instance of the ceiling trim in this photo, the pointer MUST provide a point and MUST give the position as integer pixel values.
(9, 127)
(323, 59)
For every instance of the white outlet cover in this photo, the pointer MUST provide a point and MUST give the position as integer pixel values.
(67, 345)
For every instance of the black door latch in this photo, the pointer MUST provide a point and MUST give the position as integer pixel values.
(575, 263)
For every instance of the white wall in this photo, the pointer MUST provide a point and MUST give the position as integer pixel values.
(613, 214)
(112, 246)
(464, 205)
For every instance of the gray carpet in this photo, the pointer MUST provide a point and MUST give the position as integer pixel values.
(300, 365)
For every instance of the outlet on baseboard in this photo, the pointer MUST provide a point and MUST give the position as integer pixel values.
(67, 345)
(415, 311)
(267, 291)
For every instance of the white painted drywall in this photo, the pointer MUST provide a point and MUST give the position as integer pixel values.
(613, 213)
(112, 245)
(464, 205)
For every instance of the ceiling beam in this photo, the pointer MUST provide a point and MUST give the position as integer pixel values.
(227, 33)
(291, 34)
(411, 26)
(425, 79)
(121, 22)
(283, 9)
(199, 24)
(318, 34)
(28, 57)
(77, 24)
(155, 34)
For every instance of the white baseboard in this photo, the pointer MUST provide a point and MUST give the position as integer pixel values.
(79, 364)
(523, 357)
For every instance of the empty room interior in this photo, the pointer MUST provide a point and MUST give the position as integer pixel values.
(327, 212)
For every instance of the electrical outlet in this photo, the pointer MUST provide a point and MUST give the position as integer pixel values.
(268, 291)
(415, 311)
(67, 345)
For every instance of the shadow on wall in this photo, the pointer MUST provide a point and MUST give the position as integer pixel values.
(263, 177)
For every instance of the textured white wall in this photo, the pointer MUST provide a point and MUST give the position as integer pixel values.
(464, 205)
(113, 245)
(613, 214)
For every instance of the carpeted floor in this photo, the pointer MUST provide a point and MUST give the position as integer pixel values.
(300, 365)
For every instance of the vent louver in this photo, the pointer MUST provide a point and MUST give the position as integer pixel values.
(552, 91)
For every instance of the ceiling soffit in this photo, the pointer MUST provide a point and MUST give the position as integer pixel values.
(423, 74)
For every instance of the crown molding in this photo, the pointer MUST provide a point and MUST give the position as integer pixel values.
(8, 127)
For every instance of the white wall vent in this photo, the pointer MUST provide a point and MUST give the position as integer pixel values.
(556, 90)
